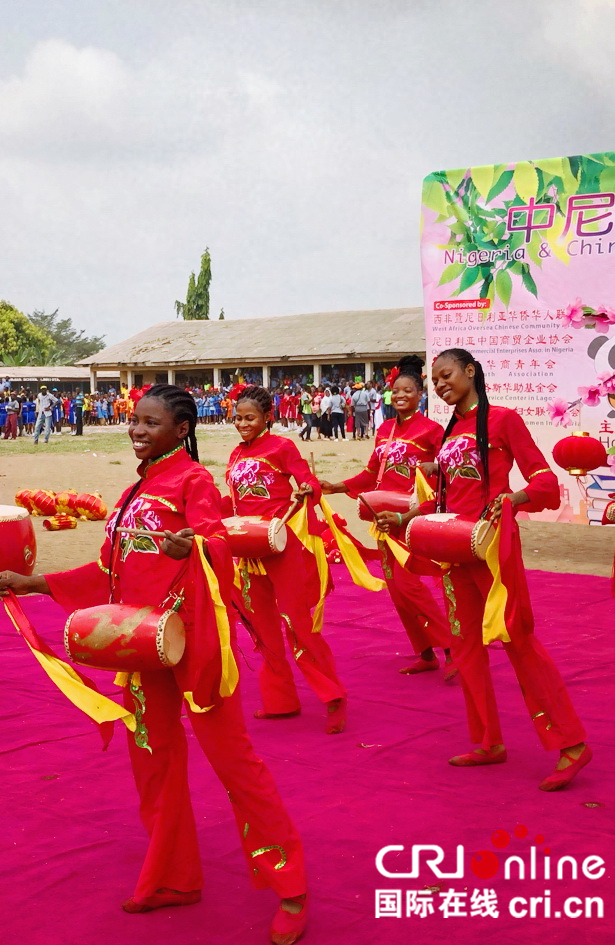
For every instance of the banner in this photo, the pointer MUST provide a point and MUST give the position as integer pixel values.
(519, 268)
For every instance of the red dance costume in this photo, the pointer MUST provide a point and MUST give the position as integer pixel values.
(258, 476)
(176, 493)
(468, 585)
(293, 407)
(284, 406)
(416, 440)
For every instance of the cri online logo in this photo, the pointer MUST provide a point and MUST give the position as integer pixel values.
(485, 863)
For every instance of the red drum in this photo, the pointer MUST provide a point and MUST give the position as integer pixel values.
(17, 541)
(125, 638)
(383, 501)
(446, 536)
(251, 536)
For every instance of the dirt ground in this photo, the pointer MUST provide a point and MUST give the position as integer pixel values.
(102, 461)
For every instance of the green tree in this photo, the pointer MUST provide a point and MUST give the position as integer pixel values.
(196, 305)
(21, 341)
(70, 344)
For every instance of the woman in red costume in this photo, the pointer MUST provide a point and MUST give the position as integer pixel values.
(401, 444)
(258, 476)
(480, 445)
(175, 494)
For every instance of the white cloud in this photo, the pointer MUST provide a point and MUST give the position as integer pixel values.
(294, 145)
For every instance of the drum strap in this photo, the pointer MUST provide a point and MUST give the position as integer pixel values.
(440, 492)
(231, 486)
(115, 541)
(383, 461)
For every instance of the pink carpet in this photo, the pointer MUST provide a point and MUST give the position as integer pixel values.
(73, 842)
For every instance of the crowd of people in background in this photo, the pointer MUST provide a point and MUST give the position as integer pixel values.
(329, 411)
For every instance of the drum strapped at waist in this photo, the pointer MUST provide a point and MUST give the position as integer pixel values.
(451, 537)
(384, 500)
(252, 536)
(125, 637)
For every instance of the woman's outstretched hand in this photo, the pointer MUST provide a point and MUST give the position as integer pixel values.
(22, 583)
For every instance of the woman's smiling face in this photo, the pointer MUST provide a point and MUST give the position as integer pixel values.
(250, 420)
(405, 395)
(453, 383)
(153, 429)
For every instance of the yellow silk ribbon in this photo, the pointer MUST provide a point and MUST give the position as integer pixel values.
(357, 568)
(92, 703)
(252, 565)
(122, 679)
(230, 673)
(424, 492)
(494, 622)
(189, 697)
(401, 554)
(298, 524)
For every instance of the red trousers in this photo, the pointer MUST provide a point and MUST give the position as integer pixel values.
(268, 836)
(543, 689)
(421, 616)
(11, 426)
(284, 596)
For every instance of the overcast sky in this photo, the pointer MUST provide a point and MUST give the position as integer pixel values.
(289, 136)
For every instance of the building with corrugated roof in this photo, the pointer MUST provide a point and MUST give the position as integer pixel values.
(61, 376)
(270, 351)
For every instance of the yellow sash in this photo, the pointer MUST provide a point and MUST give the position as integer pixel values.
(92, 703)
(357, 568)
(494, 624)
(299, 526)
(230, 673)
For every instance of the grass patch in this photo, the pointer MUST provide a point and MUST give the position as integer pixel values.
(100, 442)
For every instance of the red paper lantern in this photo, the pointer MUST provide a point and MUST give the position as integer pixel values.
(608, 517)
(24, 499)
(90, 506)
(65, 501)
(579, 453)
(59, 522)
(43, 502)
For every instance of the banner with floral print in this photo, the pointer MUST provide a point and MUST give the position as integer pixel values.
(519, 268)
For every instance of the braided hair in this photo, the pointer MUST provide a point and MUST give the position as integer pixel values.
(180, 403)
(482, 434)
(259, 396)
(412, 366)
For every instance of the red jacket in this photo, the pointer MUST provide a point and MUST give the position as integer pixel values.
(259, 473)
(416, 440)
(510, 442)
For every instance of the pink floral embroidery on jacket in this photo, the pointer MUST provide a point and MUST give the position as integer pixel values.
(248, 479)
(397, 459)
(459, 457)
(139, 514)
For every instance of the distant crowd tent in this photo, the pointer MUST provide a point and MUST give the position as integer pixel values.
(309, 348)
